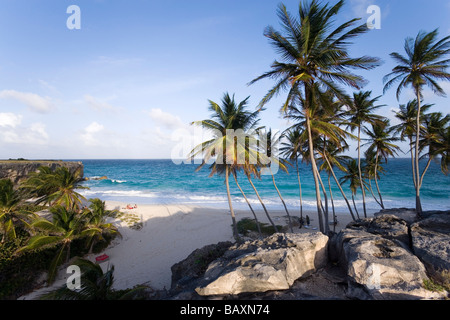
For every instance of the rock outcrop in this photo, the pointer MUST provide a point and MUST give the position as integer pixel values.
(18, 171)
(431, 242)
(385, 257)
(265, 265)
(379, 268)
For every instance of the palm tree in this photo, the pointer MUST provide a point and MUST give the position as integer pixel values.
(95, 285)
(252, 170)
(66, 225)
(226, 120)
(361, 111)
(269, 145)
(290, 148)
(325, 119)
(369, 173)
(351, 175)
(444, 150)
(331, 157)
(381, 145)
(313, 53)
(11, 213)
(56, 187)
(407, 115)
(424, 63)
(434, 139)
(96, 224)
(248, 202)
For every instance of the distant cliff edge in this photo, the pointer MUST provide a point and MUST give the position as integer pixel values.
(19, 170)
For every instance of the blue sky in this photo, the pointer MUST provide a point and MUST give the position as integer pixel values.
(129, 82)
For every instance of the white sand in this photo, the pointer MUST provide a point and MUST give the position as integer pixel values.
(168, 235)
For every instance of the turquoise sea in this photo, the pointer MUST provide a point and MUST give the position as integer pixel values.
(165, 182)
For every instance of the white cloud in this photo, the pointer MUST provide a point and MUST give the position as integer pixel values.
(359, 7)
(166, 119)
(36, 134)
(98, 105)
(33, 101)
(10, 120)
(88, 135)
(11, 131)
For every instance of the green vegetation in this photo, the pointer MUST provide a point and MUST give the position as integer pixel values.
(31, 243)
(95, 285)
(439, 281)
(247, 225)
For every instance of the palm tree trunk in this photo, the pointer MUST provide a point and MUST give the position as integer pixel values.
(327, 226)
(68, 252)
(354, 205)
(360, 173)
(282, 200)
(373, 194)
(376, 182)
(412, 162)
(91, 247)
(249, 205)
(262, 203)
(332, 203)
(233, 217)
(314, 170)
(300, 191)
(425, 170)
(418, 203)
(340, 188)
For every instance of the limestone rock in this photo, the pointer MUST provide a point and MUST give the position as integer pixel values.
(187, 271)
(379, 268)
(431, 241)
(18, 171)
(264, 265)
(407, 214)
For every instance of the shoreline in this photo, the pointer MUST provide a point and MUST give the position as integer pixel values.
(167, 234)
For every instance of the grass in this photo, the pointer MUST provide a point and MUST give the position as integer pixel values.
(439, 282)
(247, 225)
(132, 220)
(20, 160)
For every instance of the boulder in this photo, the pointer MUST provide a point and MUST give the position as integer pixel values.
(407, 214)
(379, 268)
(273, 263)
(431, 242)
(387, 226)
(186, 272)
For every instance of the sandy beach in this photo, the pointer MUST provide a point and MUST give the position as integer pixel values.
(165, 235)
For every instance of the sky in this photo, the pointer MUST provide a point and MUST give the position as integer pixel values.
(128, 83)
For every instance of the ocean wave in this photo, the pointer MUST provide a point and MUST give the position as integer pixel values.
(272, 202)
(118, 193)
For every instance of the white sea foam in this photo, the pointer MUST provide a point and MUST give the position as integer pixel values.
(272, 203)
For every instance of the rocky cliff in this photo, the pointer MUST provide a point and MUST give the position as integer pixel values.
(391, 256)
(18, 170)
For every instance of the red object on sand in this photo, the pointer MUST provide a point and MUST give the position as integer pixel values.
(102, 258)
